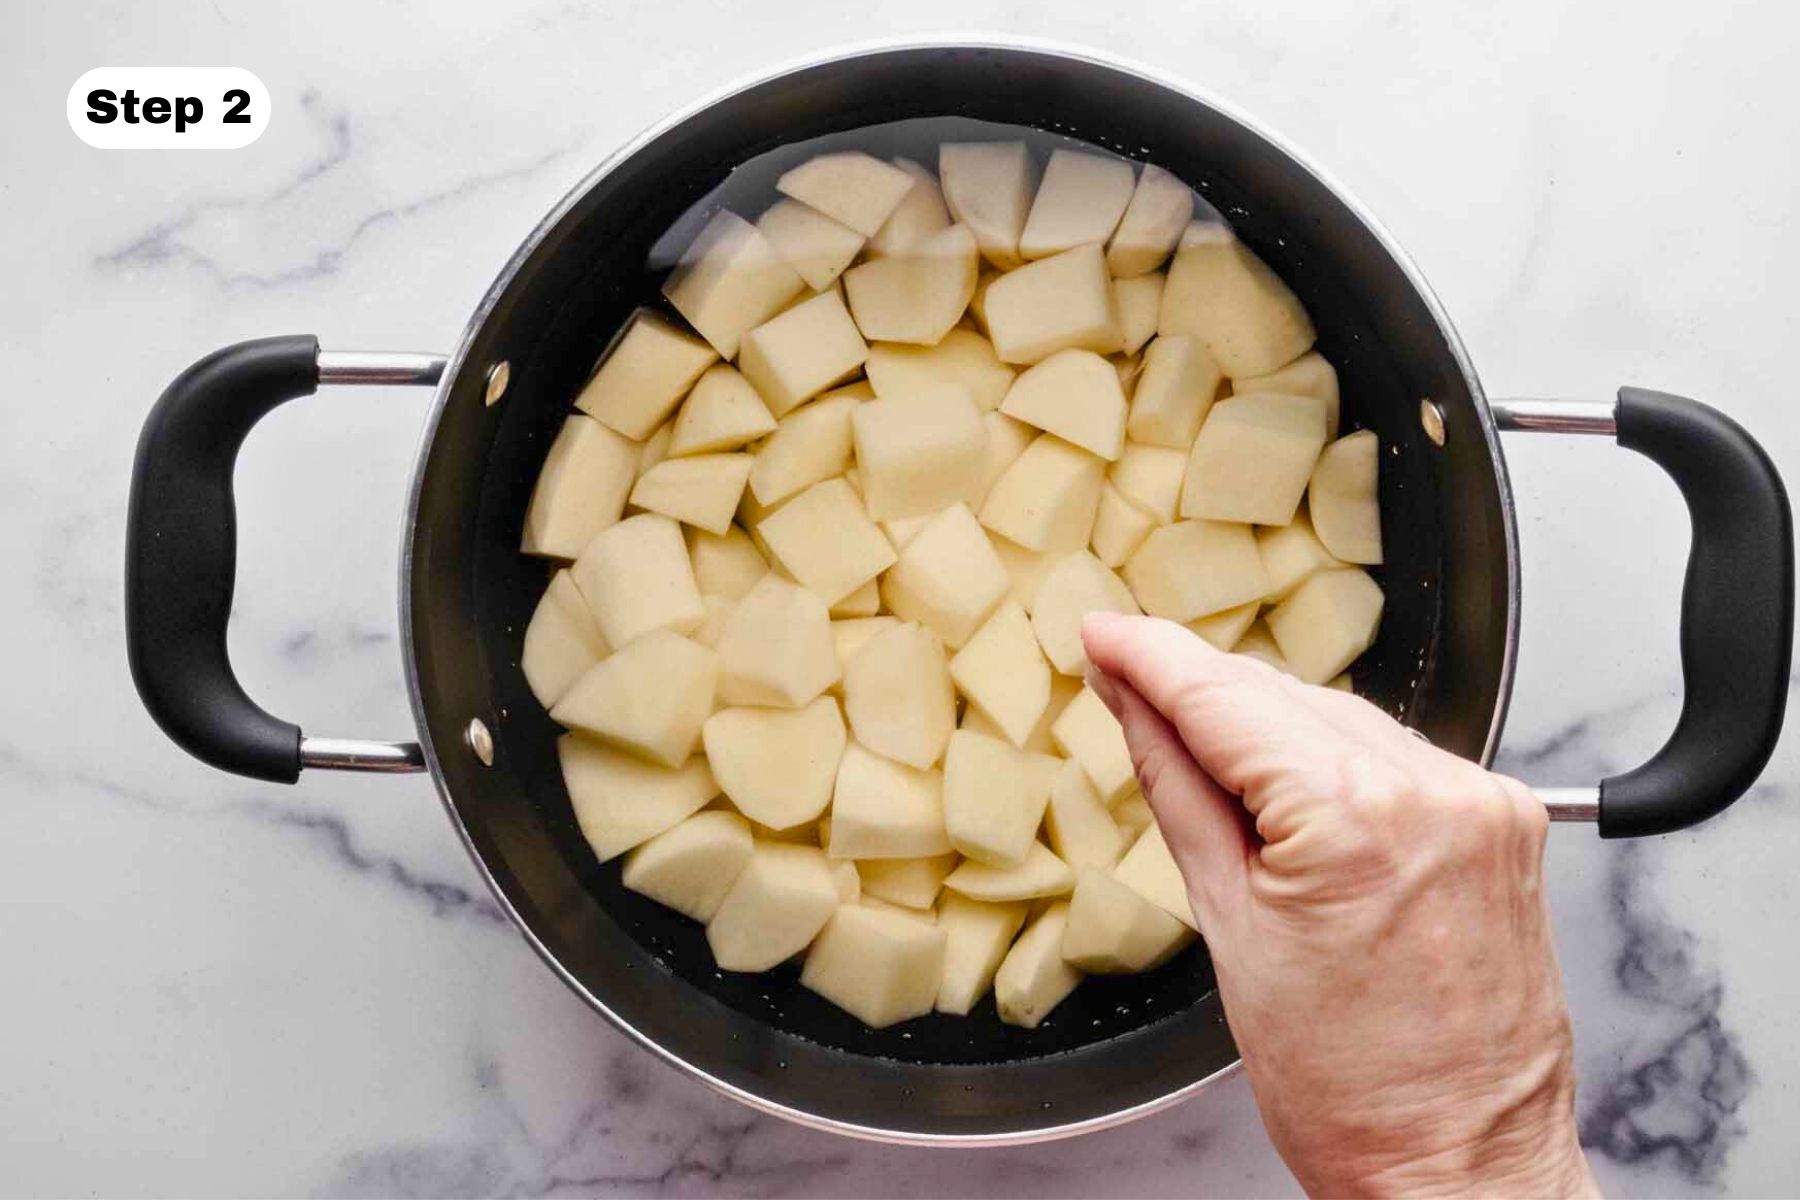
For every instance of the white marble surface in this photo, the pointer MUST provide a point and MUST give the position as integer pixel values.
(216, 987)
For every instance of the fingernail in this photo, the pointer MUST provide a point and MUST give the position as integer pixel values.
(1104, 687)
(1097, 621)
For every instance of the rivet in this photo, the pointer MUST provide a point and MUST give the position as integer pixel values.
(498, 376)
(480, 741)
(1432, 418)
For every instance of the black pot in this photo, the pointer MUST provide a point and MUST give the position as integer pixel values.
(1119, 1047)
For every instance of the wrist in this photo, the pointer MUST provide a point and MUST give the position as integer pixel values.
(1546, 1163)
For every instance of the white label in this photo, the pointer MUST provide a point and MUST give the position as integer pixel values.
(168, 108)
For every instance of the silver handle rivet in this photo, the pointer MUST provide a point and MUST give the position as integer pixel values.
(480, 741)
(498, 376)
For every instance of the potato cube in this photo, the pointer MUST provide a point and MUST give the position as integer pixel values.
(636, 578)
(849, 636)
(1341, 683)
(648, 698)
(826, 541)
(1290, 554)
(925, 916)
(1074, 587)
(1003, 673)
(919, 214)
(988, 187)
(777, 765)
(909, 882)
(809, 445)
(1120, 527)
(1160, 209)
(690, 868)
(849, 883)
(1059, 303)
(797, 354)
(1133, 816)
(1259, 644)
(1150, 477)
(1088, 733)
(976, 721)
(777, 648)
(1149, 870)
(1253, 459)
(1174, 393)
(729, 281)
(1196, 568)
(1138, 301)
(561, 642)
(816, 246)
(1006, 441)
(1063, 690)
(1080, 200)
(919, 453)
(1222, 293)
(848, 186)
(880, 967)
(978, 302)
(1025, 568)
(1046, 499)
(1344, 498)
(917, 295)
(898, 695)
(725, 565)
(976, 937)
(655, 448)
(1033, 979)
(963, 358)
(581, 490)
(1039, 873)
(994, 797)
(621, 801)
(718, 612)
(1308, 375)
(723, 412)
(865, 601)
(1129, 367)
(644, 375)
(702, 490)
(1074, 394)
(1223, 630)
(948, 578)
(776, 906)
(1327, 623)
(1114, 931)
(884, 809)
(902, 530)
(1079, 825)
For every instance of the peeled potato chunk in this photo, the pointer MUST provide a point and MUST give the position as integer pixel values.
(1150, 477)
(1120, 527)
(919, 453)
(562, 641)
(655, 448)
(1006, 441)
(776, 906)
(898, 695)
(1343, 496)
(808, 445)
(621, 801)
(976, 937)
(916, 295)
(919, 214)
(948, 577)
(1222, 293)
(1114, 931)
(1080, 200)
(1259, 644)
(725, 564)
(1133, 816)
(690, 868)
(702, 490)
(994, 797)
(1080, 827)
(1034, 978)
(884, 809)
(880, 967)
(865, 601)
(1039, 873)
(1074, 587)
(776, 649)
(800, 352)
(1045, 501)
(1160, 209)
(1174, 392)
(729, 281)
(1149, 870)
(816, 246)
(723, 412)
(649, 698)
(1196, 568)
(644, 376)
(848, 636)
(1059, 303)
(1328, 621)
(826, 541)
(1026, 568)
(1063, 691)
(636, 578)
(1138, 301)
(1003, 673)
(1290, 554)
(1253, 459)
(777, 765)
(1088, 733)
(1074, 394)
(1222, 630)
(988, 187)
(963, 358)
(850, 187)
(718, 612)
(581, 490)
(1308, 375)
(909, 882)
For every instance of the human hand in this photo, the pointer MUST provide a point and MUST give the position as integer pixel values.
(1375, 913)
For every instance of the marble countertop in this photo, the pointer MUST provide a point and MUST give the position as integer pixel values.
(219, 987)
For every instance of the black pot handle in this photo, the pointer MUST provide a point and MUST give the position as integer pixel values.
(181, 555)
(1737, 605)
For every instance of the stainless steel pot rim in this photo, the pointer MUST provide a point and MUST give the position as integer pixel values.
(503, 281)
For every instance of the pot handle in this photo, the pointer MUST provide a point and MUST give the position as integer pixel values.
(1737, 607)
(181, 555)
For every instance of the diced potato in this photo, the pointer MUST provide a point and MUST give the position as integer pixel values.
(865, 601)
(1327, 623)
(1133, 816)
(919, 214)
(848, 186)
(902, 530)
(898, 695)
(1088, 733)
(1059, 303)
(1196, 568)
(926, 916)
(1039, 873)
(1138, 301)
(849, 883)
(918, 295)
(816, 246)
(988, 187)
(797, 354)
(1034, 979)
(723, 412)
(777, 765)
(849, 636)
(1222, 293)
(1343, 496)
(976, 937)
(1003, 673)
(919, 453)
(729, 281)
(909, 882)
(581, 490)
(976, 721)
(644, 376)
(727, 564)
(1074, 587)
(1046, 499)
(1063, 690)
(978, 302)
(994, 797)
(1160, 208)
(776, 906)
(1174, 393)
(701, 490)
(1074, 394)
(880, 967)
(1080, 827)
(1253, 459)
(655, 448)
(636, 578)
(648, 698)
(561, 642)
(807, 833)
(1259, 644)
(1006, 441)
(1149, 870)
(1150, 477)
(1129, 367)
(826, 541)
(1120, 527)
(690, 868)
(948, 577)
(809, 445)
(1222, 630)
(963, 358)
(1080, 200)
(1341, 683)
(1114, 931)
(777, 647)
(1308, 375)
(1025, 568)
(1290, 555)
(621, 801)
(884, 809)
(718, 612)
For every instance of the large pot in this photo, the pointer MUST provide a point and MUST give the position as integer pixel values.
(1118, 1048)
